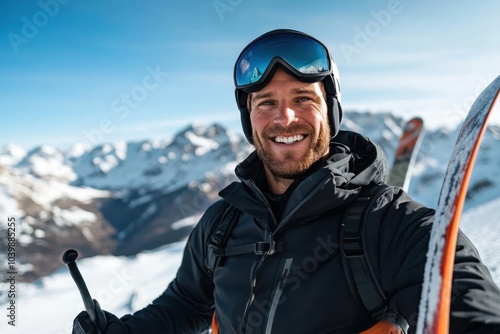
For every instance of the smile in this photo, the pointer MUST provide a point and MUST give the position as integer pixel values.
(289, 140)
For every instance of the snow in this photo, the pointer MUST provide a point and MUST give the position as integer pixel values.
(46, 161)
(17, 185)
(482, 225)
(120, 284)
(39, 233)
(125, 284)
(45, 194)
(72, 216)
(141, 200)
(203, 145)
(8, 206)
(190, 221)
(11, 154)
(78, 149)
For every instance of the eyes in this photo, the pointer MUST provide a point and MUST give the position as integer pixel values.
(301, 101)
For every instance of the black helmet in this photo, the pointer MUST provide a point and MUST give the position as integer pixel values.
(301, 56)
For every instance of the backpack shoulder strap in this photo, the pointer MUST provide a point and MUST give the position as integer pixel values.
(363, 283)
(221, 233)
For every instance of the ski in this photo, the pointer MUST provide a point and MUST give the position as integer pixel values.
(406, 152)
(434, 308)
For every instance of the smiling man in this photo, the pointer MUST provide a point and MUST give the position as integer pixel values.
(286, 249)
(290, 128)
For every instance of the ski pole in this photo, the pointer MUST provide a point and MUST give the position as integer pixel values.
(69, 258)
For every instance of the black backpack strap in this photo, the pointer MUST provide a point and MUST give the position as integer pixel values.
(363, 282)
(220, 235)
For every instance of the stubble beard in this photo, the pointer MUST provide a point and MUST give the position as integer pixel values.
(294, 166)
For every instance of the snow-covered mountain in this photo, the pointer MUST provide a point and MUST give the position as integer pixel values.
(117, 198)
(124, 198)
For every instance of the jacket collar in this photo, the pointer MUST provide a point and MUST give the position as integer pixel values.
(354, 161)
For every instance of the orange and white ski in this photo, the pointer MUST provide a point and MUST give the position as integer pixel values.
(406, 152)
(434, 309)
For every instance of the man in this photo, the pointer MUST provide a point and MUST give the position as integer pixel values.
(294, 191)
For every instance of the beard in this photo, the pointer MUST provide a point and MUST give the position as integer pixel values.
(289, 165)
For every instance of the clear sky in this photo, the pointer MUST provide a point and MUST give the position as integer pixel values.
(102, 71)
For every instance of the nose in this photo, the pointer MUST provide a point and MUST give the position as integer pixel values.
(285, 115)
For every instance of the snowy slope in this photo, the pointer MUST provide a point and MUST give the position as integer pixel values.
(482, 225)
(125, 284)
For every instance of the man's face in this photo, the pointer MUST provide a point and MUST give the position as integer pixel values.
(289, 124)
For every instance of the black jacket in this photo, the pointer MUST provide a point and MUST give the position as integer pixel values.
(303, 289)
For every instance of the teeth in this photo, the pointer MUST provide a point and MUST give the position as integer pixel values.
(289, 140)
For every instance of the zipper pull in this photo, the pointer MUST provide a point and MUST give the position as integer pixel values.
(283, 279)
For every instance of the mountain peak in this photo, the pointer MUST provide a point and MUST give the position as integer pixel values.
(202, 130)
(11, 154)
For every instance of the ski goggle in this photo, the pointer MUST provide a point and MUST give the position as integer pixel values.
(304, 56)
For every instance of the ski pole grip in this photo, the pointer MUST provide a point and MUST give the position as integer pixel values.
(69, 258)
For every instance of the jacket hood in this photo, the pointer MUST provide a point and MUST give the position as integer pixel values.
(363, 162)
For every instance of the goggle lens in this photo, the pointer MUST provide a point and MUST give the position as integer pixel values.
(307, 57)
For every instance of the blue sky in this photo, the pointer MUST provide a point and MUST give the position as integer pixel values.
(103, 71)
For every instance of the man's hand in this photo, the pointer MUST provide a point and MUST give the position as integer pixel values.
(83, 325)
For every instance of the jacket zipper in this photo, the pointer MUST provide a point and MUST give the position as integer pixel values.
(253, 281)
(277, 295)
(264, 200)
(251, 298)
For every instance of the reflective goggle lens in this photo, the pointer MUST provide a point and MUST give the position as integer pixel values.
(306, 56)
